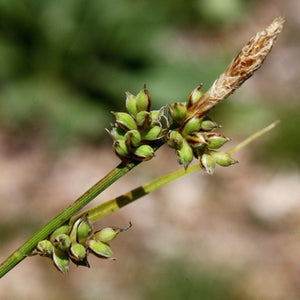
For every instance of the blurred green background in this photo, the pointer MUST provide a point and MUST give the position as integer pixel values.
(64, 65)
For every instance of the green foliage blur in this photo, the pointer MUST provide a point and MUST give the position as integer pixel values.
(65, 64)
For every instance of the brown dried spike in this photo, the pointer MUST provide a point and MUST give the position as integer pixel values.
(249, 59)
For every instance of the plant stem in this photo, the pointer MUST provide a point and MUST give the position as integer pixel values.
(112, 205)
(64, 216)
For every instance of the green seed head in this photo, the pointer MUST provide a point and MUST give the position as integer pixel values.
(125, 120)
(177, 111)
(143, 152)
(106, 234)
(143, 100)
(207, 163)
(62, 242)
(44, 248)
(190, 126)
(185, 154)
(174, 139)
(100, 249)
(133, 138)
(131, 103)
(222, 158)
(215, 140)
(195, 96)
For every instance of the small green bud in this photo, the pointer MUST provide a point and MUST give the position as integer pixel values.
(116, 133)
(84, 230)
(153, 134)
(77, 252)
(120, 148)
(143, 100)
(131, 103)
(100, 249)
(44, 248)
(196, 140)
(208, 125)
(133, 138)
(106, 234)
(143, 152)
(61, 230)
(74, 229)
(191, 125)
(143, 119)
(174, 139)
(195, 96)
(154, 117)
(125, 120)
(62, 242)
(207, 163)
(185, 154)
(61, 261)
(222, 158)
(215, 140)
(177, 111)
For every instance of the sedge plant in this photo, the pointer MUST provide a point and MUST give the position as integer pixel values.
(137, 133)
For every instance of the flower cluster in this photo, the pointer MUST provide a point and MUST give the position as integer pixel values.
(135, 132)
(75, 242)
(193, 136)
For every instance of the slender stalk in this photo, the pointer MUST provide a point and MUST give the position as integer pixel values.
(112, 205)
(64, 216)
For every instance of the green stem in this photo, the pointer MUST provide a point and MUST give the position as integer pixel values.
(64, 216)
(112, 205)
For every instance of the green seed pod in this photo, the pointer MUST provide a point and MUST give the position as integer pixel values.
(62, 242)
(196, 140)
(208, 125)
(195, 96)
(133, 138)
(74, 229)
(44, 248)
(154, 117)
(174, 139)
(222, 158)
(143, 100)
(177, 111)
(106, 234)
(143, 152)
(153, 134)
(215, 140)
(77, 252)
(125, 120)
(120, 148)
(143, 119)
(191, 125)
(100, 249)
(207, 163)
(116, 133)
(131, 103)
(84, 230)
(61, 261)
(61, 230)
(185, 154)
